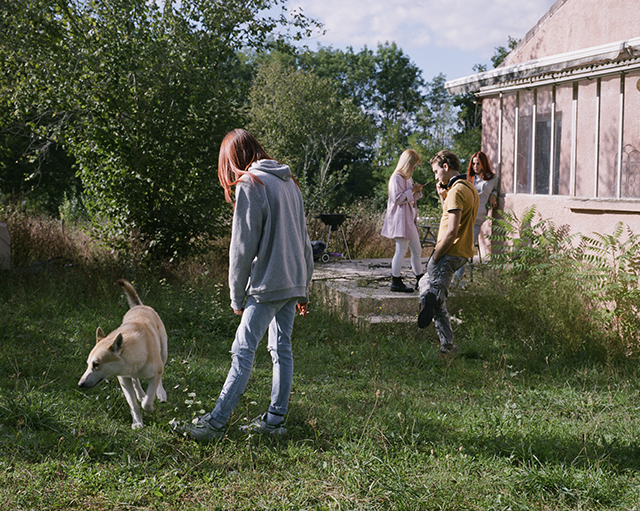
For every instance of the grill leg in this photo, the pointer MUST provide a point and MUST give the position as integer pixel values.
(346, 247)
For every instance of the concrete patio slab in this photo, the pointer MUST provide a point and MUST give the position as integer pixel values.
(359, 291)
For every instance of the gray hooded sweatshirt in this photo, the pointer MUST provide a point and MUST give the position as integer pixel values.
(270, 256)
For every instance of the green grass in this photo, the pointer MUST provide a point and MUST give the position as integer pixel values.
(377, 420)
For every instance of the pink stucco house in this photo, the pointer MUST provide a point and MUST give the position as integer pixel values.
(561, 116)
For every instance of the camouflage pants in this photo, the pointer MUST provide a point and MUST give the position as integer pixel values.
(437, 281)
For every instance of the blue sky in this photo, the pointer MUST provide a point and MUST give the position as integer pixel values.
(440, 36)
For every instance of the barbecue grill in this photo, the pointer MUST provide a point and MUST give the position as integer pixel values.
(333, 221)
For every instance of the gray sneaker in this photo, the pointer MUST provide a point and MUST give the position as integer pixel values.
(200, 430)
(260, 425)
(448, 350)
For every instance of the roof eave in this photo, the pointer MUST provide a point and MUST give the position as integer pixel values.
(555, 63)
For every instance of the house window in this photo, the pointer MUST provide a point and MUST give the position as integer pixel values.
(524, 133)
(631, 173)
(543, 154)
(534, 160)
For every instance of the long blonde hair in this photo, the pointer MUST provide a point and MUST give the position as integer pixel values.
(408, 161)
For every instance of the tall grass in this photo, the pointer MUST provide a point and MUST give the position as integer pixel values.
(377, 421)
(37, 238)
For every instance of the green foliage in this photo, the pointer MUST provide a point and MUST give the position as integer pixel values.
(141, 95)
(583, 289)
(527, 246)
(501, 52)
(544, 285)
(39, 181)
(386, 84)
(389, 89)
(301, 120)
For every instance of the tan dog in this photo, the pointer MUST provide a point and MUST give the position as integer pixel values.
(136, 349)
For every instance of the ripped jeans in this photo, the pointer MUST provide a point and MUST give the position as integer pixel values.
(437, 281)
(278, 318)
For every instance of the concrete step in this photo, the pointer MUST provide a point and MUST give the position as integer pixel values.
(359, 291)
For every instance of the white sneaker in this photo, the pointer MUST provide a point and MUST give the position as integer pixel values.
(200, 430)
(260, 425)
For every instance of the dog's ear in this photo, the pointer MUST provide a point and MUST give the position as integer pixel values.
(116, 347)
(99, 335)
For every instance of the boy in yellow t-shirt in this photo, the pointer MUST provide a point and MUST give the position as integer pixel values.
(455, 245)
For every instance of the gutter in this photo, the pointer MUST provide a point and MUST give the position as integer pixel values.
(603, 54)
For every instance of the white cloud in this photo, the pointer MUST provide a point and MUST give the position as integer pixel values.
(425, 26)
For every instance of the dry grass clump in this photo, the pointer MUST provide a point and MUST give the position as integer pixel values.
(211, 265)
(38, 239)
(362, 230)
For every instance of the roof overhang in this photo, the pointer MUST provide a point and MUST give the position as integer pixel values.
(611, 55)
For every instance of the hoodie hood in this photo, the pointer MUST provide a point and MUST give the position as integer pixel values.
(272, 167)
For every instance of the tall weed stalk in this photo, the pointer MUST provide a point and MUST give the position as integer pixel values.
(611, 265)
(544, 285)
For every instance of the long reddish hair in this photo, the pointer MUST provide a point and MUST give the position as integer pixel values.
(485, 168)
(238, 151)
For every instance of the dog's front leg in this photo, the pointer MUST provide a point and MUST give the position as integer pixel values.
(129, 394)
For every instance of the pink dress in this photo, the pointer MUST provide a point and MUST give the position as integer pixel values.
(401, 217)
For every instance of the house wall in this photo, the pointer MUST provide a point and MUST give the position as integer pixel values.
(559, 147)
(575, 24)
(584, 186)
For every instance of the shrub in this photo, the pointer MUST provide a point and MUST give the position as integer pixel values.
(611, 266)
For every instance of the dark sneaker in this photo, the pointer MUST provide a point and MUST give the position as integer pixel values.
(448, 350)
(426, 310)
(260, 425)
(200, 430)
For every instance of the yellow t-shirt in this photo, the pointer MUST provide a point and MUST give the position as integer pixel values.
(463, 196)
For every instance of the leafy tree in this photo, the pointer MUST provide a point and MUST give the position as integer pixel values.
(500, 52)
(141, 94)
(437, 118)
(388, 87)
(40, 183)
(386, 84)
(468, 138)
(301, 119)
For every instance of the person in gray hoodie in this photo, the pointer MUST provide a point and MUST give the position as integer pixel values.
(270, 267)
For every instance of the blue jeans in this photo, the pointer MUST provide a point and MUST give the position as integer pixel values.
(437, 281)
(256, 319)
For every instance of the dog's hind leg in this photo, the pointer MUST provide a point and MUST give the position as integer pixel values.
(161, 393)
(129, 394)
(138, 388)
(155, 384)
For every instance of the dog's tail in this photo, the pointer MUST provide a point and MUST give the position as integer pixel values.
(132, 296)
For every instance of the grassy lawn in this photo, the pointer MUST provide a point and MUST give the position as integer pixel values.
(376, 421)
